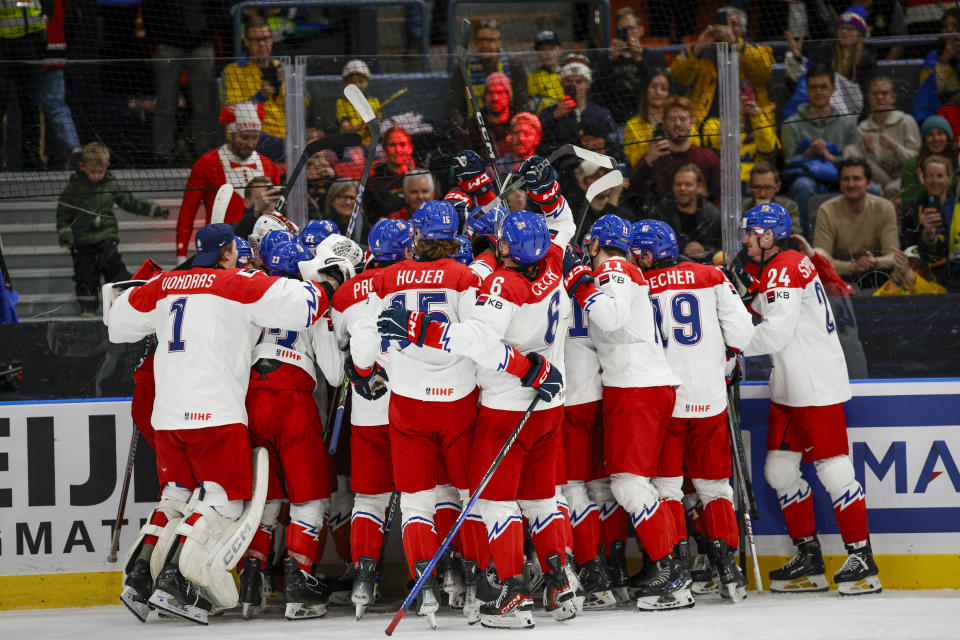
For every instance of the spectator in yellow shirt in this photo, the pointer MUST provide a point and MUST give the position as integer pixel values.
(543, 83)
(356, 72)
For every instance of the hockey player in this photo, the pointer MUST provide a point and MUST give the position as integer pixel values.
(638, 397)
(245, 256)
(390, 241)
(698, 315)
(205, 320)
(433, 394)
(315, 232)
(283, 418)
(808, 387)
(516, 335)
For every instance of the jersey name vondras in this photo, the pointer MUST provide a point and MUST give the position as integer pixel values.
(189, 281)
(427, 276)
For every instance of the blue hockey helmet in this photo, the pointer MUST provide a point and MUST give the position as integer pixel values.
(654, 236)
(315, 232)
(485, 224)
(465, 254)
(285, 257)
(436, 220)
(389, 239)
(244, 252)
(611, 231)
(273, 239)
(768, 216)
(526, 236)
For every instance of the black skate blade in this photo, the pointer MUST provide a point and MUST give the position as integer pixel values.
(135, 603)
(167, 602)
(299, 611)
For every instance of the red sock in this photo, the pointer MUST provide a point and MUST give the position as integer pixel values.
(322, 543)
(506, 547)
(656, 531)
(549, 539)
(302, 542)
(159, 519)
(851, 512)
(366, 536)
(613, 524)
(261, 545)
(586, 534)
(798, 514)
(420, 541)
(473, 537)
(443, 519)
(721, 521)
(566, 528)
(679, 518)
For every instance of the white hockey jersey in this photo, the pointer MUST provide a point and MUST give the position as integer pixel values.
(698, 314)
(512, 311)
(207, 321)
(622, 326)
(799, 333)
(349, 309)
(308, 349)
(580, 360)
(445, 289)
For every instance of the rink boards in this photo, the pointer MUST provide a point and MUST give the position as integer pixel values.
(62, 465)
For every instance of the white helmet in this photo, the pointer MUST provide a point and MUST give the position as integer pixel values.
(269, 222)
(327, 262)
(355, 66)
(344, 247)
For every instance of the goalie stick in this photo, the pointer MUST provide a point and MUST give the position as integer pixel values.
(221, 203)
(124, 489)
(428, 571)
(359, 102)
(336, 141)
(601, 184)
(463, 41)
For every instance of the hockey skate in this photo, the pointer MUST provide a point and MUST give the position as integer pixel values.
(704, 581)
(803, 573)
(619, 574)
(451, 569)
(558, 594)
(512, 609)
(365, 585)
(579, 596)
(340, 587)
(137, 587)
(254, 588)
(305, 596)
(859, 572)
(667, 586)
(734, 585)
(598, 594)
(427, 603)
(478, 590)
(178, 596)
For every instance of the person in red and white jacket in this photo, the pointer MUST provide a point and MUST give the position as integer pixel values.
(235, 163)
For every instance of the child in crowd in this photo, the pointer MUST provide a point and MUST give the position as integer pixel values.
(356, 72)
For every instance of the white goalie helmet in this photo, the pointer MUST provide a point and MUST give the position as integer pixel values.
(344, 247)
(269, 222)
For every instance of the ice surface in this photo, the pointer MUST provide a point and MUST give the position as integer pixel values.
(894, 615)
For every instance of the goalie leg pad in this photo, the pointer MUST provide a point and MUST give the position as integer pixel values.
(218, 532)
(177, 508)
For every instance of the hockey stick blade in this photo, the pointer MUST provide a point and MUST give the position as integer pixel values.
(609, 181)
(592, 156)
(220, 204)
(359, 101)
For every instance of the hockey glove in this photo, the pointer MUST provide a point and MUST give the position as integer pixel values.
(541, 181)
(742, 281)
(733, 368)
(370, 384)
(471, 173)
(575, 273)
(542, 377)
(395, 323)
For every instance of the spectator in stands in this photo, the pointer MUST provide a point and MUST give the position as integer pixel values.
(910, 276)
(564, 122)
(87, 225)
(338, 208)
(858, 229)
(847, 55)
(418, 187)
(182, 31)
(937, 139)
(543, 83)
(320, 175)
(693, 217)
(489, 58)
(524, 138)
(517, 201)
(497, 98)
(623, 73)
(656, 169)
(385, 186)
(646, 127)
(236, 163)
(939, 78)
(887, 137)
(926, 221)
(259, 196)
(52, 94)
(22, 40)
(258, 78)
(813, 139)
(609, 201)
(356, 72)
(696, 69)
(758, 134)
(764, 185)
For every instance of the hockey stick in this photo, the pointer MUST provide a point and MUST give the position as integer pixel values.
(131, 456)
(220, 204)
(565, 150)
(338, 418)
(336, 141)
(428, 571)
(463, 41)
(747, 502)
(603, 183)
(387, 526)
(396, 94)
(359, 102)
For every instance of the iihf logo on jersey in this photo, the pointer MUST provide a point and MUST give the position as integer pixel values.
(196, 416)
(439, 391)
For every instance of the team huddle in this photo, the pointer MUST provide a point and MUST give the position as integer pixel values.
(614, 358)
